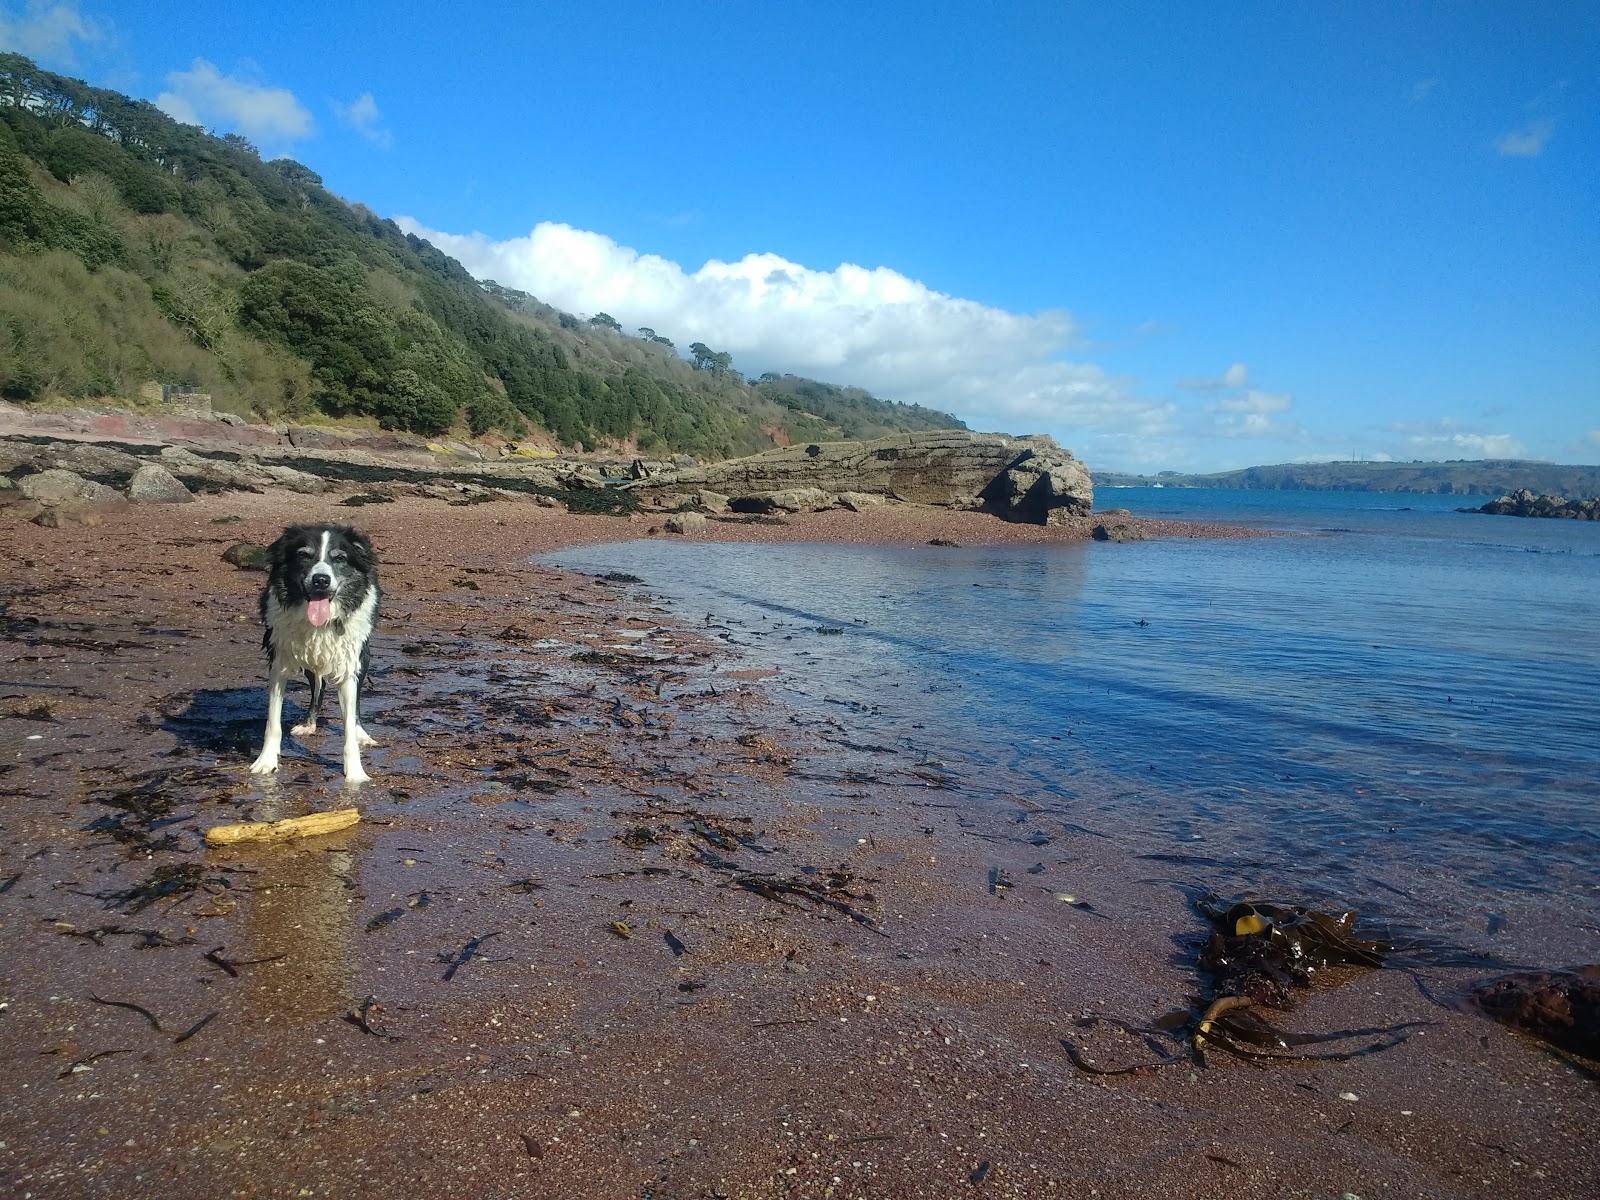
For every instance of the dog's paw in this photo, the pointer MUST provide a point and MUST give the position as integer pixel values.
(304, 729)
(363, 738)
(265, 765)
(356, 776)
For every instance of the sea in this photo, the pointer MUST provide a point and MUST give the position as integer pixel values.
(1388, 701)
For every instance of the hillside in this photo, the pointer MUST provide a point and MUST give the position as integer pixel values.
(1486, 477)
(135, 251)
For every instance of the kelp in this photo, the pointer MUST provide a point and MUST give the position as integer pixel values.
(1258, 954)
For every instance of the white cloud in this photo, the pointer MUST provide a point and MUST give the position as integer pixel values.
(1235, 376)
(362, 115)
(203, 95)
(1424, 89)
(1444, 439)
(47, 31)
(1527, 142)
(1593, 437)
(1251, 415)
(870, 327)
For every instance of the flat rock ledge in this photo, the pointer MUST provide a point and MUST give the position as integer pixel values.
(1024, 479)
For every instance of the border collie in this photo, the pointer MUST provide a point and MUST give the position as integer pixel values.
(319, 608)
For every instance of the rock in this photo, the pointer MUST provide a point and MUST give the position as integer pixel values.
(88, 459)
(685, 522)
(791, 500)
(54, 485)
(1561, 1007)
(672, 499)
(154, 484)
(296, 481)
(69, 513)
(712, 501)
(950, 468)
(856, 501)
(14, 506)
(1523, 503)
(1038, 483)
(247, 556)
(1119, 531)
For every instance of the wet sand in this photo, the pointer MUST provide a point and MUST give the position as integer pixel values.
(562, 901)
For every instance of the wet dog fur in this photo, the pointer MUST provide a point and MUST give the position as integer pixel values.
(319, 608)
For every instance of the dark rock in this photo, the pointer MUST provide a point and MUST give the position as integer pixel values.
(1119, 531)
(1523, 503)
(247, 556)
(1560, 1007)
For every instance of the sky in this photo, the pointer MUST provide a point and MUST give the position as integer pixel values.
(1174, 236)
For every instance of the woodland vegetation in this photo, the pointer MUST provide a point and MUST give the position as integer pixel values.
(137, 250)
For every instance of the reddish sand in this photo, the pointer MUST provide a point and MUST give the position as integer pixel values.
(649, 1018)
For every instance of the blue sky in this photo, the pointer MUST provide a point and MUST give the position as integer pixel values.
(1173, 238)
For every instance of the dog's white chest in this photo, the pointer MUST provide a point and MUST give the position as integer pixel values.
(334, 654)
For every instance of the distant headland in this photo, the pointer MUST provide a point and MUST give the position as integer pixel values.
(1474, 477)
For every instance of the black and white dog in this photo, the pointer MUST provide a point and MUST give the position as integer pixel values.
(319, 608)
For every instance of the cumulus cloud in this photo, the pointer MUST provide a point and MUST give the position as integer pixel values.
(870, 327)
(362, 115)
(1251, 415)
(203, 95)
(1527, 142)
(47, 31)
(1445, 438)
(1235, 376)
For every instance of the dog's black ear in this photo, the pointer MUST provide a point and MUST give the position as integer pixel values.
(282, 550)
(362, 555)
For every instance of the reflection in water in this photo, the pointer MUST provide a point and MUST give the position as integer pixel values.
(299, 906)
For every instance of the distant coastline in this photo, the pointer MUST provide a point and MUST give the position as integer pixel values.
(1480, 477)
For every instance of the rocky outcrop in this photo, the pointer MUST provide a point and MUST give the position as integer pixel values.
(1022, 479)
(1043, 486)
(1523, 503)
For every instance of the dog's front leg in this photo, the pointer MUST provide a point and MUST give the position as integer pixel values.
(277, 684)
(349, 691)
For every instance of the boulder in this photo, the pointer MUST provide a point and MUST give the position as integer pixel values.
(247, 556)
(154, 484)
(712, 501)
(790, 500)
(57, 486)
(685, 522)
(69, 513)
(54, 485)
(856, 501)
(14, 506)
(1038, 484)
(1119, 531)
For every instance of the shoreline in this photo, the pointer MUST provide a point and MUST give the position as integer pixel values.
(789, 1049)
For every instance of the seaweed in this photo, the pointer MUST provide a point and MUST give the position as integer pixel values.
(1258, 954)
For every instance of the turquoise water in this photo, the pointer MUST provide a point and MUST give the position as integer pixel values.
(1390, 691)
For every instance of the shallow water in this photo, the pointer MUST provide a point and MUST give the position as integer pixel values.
(1407, 705)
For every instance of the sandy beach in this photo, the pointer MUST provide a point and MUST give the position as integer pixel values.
(619, 925)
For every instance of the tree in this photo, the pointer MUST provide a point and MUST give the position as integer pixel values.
(606, 321)
(706, 359)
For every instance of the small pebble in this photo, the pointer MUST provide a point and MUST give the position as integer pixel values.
(1348, 1096)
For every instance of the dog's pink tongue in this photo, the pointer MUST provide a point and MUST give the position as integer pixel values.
(319, 612)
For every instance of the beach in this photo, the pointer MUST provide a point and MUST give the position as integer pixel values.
(617, 923)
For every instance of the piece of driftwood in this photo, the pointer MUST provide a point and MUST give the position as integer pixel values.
(291, 827)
